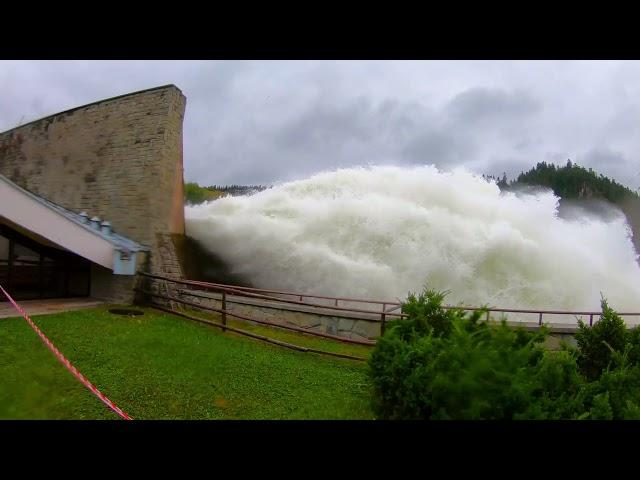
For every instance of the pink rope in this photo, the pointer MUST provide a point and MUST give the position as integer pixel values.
(74, 371)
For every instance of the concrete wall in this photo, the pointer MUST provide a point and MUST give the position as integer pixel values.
(119, 159)
(111, 288)
(116, 288)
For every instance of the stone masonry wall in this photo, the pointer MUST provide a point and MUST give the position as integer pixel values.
(119, 159)
(116, 288)
(111, 288)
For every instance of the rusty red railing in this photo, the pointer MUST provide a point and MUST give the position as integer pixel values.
(378, 316)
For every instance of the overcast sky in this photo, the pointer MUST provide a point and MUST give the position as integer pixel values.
(261, 122)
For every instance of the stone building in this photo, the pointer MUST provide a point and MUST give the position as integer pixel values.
(89, 195)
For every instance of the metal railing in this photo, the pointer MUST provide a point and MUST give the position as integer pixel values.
(378, 316)
(224, 311)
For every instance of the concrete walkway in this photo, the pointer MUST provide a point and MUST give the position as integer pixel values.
(51, 305)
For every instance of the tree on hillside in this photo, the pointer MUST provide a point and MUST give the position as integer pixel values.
(573, 182)
(502, 183)
(194, 194)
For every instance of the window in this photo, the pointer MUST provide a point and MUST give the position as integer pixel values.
(4, 249)
(4, 262)
(24, 256)
(29, 270)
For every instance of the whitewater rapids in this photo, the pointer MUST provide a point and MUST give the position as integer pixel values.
(381, 232)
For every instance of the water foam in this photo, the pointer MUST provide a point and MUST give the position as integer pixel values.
(380, 232)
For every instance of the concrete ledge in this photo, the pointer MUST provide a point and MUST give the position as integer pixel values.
(49, 306)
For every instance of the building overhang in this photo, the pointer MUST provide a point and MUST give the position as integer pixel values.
(54, 225)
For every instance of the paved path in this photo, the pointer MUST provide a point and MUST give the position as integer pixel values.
(53, 305)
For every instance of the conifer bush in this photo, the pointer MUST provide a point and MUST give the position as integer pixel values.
(598, 344)
(449, 364)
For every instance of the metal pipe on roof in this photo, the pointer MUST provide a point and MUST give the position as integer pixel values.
(106, 228)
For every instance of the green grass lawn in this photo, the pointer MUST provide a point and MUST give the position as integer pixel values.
(160, 366)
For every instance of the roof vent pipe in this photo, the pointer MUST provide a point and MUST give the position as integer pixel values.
(85, 217)
(95, 223)
(106, 228)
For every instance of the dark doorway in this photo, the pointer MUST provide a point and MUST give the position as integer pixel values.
(30, 270)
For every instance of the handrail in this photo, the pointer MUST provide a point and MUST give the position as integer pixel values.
(247, 291)
(234, 289)
(250, 319)
(550, 312)
(304, 304)
(260, 337)
(297, 294)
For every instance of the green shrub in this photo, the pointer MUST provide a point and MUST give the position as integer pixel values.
(447, 364)
(633, 343)
(616, 392)
(557, 384)
(597, 343)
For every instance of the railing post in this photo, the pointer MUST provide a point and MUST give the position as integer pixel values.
(540, 319)
(224, 310)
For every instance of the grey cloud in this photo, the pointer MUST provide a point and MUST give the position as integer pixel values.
(559, 158)
(489, 105)
(603, 156)
(612, 163)
(328, 126)
(262, 122)
(511, 165)
(526, 143)
(352, 132)
(437, 147)
(362, 121)
(476, 128)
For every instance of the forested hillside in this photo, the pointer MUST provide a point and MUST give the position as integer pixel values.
(573, 182)
(194, 194)
(237, 190)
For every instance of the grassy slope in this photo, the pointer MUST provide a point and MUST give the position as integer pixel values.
(289, 336)
(159, 366)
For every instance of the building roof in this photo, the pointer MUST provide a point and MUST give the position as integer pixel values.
(68, 230)
(118, 241)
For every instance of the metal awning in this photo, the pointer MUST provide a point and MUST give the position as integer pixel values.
(68, 230)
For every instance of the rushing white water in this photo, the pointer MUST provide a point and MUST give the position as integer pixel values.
(380, 232)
